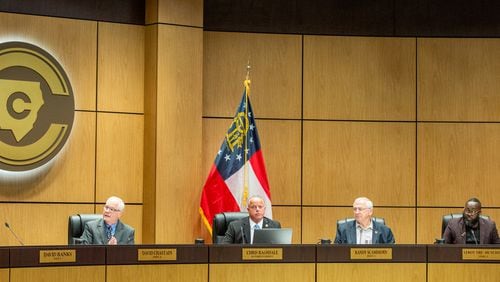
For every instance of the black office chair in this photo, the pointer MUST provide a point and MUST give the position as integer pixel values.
(76, 224)
(221, 222)
(446, 219)
(350, 219)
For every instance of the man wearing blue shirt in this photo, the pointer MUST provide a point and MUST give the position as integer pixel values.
(109, 230)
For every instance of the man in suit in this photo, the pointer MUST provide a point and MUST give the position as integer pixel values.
(256, 208)
(471, 228)
(363, 230)
(109, 230)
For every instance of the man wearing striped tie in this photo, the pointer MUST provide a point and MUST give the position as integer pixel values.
(109, 230)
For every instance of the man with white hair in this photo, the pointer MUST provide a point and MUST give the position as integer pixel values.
(109, 230)
(363, 230)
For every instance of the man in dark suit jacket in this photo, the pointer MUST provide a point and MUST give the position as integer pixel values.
(471, 228)
(109, 230)
(363, 230)
(256, 208)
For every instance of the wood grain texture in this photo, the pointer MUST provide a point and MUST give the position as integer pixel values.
(4, 274)
(39, 224)
(150, 123)
(165, 272)
(383, 272)
(359, 78)
(185, 12)
(67, 273)
(458, 79)
(179, 126)
(275, 73)
(120, 156)
(456, 161)
(344, 160)
(71, 42)
(463, 272)
(120, 83)
(290, 217)
(300, 272)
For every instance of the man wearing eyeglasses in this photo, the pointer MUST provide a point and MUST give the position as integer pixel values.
(471, 228)
(363, 230)
(109, 230)
(241, 231)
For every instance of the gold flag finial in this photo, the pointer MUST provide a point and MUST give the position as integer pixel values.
(247, 79)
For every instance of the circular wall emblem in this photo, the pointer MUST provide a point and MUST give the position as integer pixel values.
(37, 106)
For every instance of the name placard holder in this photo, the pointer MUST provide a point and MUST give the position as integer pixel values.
(371, 253)
(262, 254)
(57, 256)
(157, 254)
(481, 254)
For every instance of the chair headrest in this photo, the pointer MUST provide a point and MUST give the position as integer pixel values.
(77, 222)
(379, 220)
(221, 222)
(448, 217)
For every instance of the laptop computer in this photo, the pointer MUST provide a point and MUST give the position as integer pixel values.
(272, 236)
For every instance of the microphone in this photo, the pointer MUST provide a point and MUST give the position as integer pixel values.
(13, 233)
(242, 235)
(474, 236)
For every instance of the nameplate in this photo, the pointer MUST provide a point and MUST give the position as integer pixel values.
(481, 254)
(57, 256)
(371, 253)
(262, 253)
(156, 254)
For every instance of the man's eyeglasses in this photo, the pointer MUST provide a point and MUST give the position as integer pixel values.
(111, 209)
(472, 212)
(359, 209)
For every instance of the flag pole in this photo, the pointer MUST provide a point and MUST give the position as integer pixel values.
(245, 171)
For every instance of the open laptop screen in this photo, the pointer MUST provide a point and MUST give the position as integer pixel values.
(272, 236)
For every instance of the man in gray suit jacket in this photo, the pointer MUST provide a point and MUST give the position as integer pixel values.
(241, 231)
(109, 230)
(363, 230)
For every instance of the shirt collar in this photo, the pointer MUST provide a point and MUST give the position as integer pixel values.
(252, 224)
(370, 227)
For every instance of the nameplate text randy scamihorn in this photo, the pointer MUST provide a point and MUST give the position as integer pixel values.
(371, 253)
(157, 254)
(57, 256)
(262, 253)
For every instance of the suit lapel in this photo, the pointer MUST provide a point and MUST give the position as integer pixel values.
(265, 223)
(351, 232)
(375, 232)
(246, 230)
(101, 226)
(482, 231)
(118, 231)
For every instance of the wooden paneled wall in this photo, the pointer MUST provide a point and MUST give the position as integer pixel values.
(173, 108)
(104, 153)
(412, 123)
